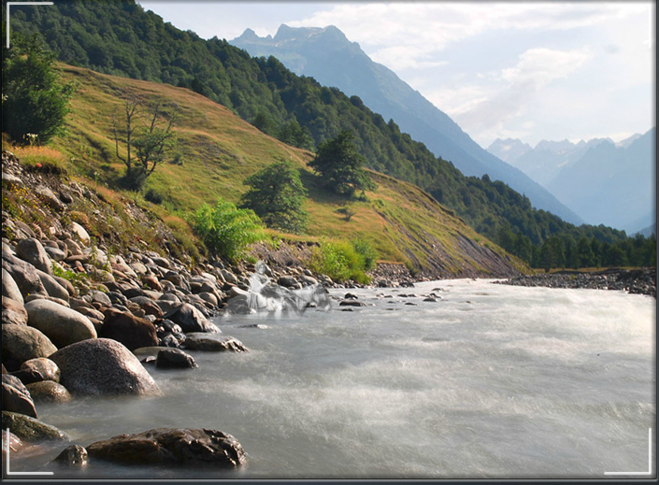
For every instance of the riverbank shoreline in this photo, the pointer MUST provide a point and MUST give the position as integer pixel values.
(634, 281)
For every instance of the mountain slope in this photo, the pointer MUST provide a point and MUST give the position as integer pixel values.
(612, 185)
(328, 56)
(219, 150)
(607, 183)
(120, 38)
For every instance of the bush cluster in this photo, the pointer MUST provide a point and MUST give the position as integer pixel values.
(344, 260)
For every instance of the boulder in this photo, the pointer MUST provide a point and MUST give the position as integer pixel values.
(351, 303)
(53, 287)
(24, 275)
(48, 391)
(151, 281)
(73, 456)
(55, 254)
(49, 198)
(45, 367)
(288, 282)
(10, 288)
(167, 446)
(13, 312)
(16, 397)
(102, 366)
(149, 306)
(33, 252)
(81, 233)
(128, 329)
(102, 298)
(190, 319)
(21, 343)
(213, 343)
(62, 325)
(174, 359)
(30, 429)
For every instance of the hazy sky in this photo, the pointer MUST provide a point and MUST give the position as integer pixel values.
(533, 71)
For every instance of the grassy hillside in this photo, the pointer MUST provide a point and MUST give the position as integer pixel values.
(217, 150)
(120, 38)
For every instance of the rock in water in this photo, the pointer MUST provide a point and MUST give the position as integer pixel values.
(174, 359)
(192, 320)
(213, 343)
(30, 429)
(99, 367)
(169, 446)
(73, 456)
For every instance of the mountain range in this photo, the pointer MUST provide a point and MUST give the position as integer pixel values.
(602, 181)
(329, 57)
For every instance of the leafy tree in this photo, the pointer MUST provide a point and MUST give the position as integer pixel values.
(339, 165)
(293, 134)
(227, 230)
(152, 140)
(277, 196)
(34, 99)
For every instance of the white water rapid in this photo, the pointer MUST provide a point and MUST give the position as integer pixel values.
(489, 381)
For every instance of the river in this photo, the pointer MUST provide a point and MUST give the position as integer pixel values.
(490, 381)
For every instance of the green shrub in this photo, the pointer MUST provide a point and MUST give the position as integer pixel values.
(340, 261)
(367, 252)
(227, 230)
(152, 195)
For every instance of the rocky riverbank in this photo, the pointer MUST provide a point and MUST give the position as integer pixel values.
(95, 291)
(638, 281)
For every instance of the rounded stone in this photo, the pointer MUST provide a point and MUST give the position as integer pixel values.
(102, 366)
(46, 367)
(48, 391)
(13, 312)
(33, 252)
(21, 343)
(10, 288)
(62, 325)
(16, 397)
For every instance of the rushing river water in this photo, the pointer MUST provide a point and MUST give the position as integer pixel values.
(490, 381)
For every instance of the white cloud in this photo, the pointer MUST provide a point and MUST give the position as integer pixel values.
(418, 30)
(540, 66)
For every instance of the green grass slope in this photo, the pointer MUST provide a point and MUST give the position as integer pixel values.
(218, 150)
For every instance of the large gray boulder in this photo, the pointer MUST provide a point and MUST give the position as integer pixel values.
(16, 397)
(62, 325)
(98, 367)
(13, 312)
(190, 319)
(9, 287)
(167, 446)
(33, 252)
(21, 343)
